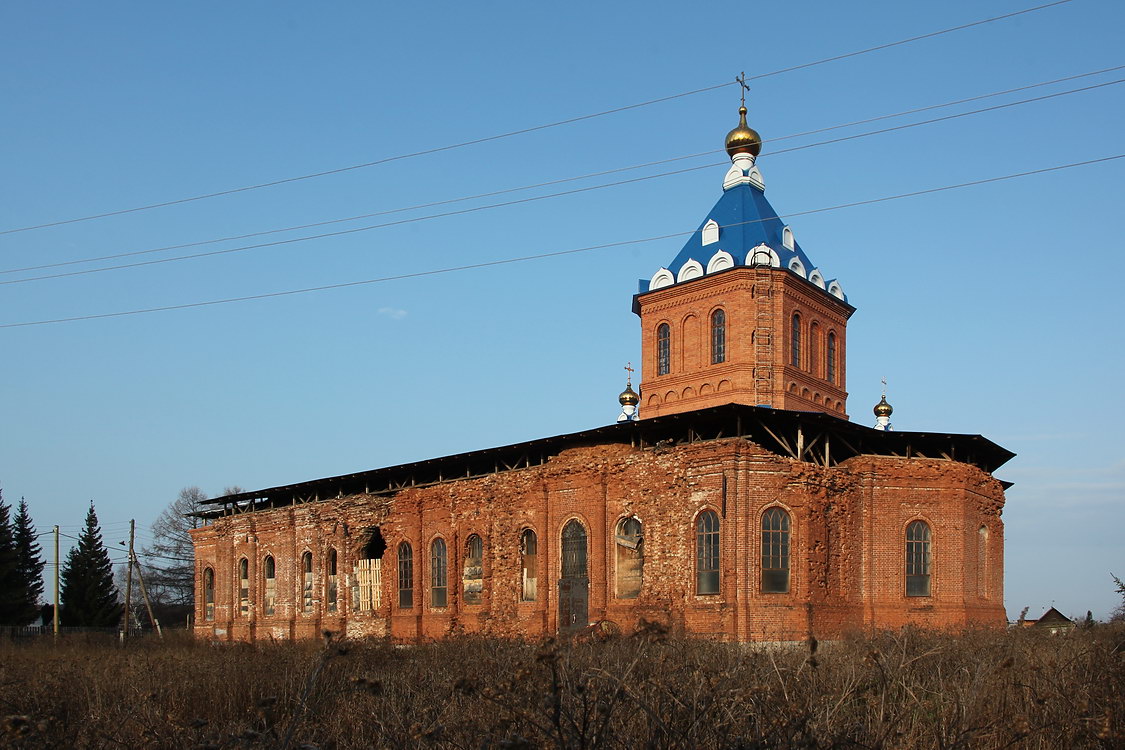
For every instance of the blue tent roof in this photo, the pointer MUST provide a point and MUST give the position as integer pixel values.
(746, 220)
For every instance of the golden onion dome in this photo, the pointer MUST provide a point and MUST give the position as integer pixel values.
(883, 409)
(629, 397)
(743, 139)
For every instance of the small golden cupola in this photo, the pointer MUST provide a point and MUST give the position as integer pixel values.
(628, 399)
(743, 139)
(883, 412)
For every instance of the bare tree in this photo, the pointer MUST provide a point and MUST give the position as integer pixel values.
(169, 561)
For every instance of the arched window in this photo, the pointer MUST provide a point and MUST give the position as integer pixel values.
(775, 551)
(795, 342)
(269, 570)
(718, 337)
(814, 334)
(630, 558)
(918, 559)
(367, 583)
(405, 576)
(663, 349)
(244, 587)
(529, 564)
(574, 550)
(831, 374)
(307, 582)
(472, 576)
(707, 553)
(332, 595)
(209, 593)
(439, 580)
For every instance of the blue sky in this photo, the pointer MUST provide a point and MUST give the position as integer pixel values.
(990, 309)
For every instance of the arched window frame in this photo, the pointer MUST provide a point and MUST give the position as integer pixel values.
(574, 539)
(307, 582)
(830, 374)
(332, 570)
(209, 593)
(814, 346)
(269, 590)
(795, 341)
(439, 574)
(529, 565)
(244, 587)
(775, 551)
(707, 553)
(405, 558)
(629, 537)
(918, 552)
(663, 349)
(718, 337)
(472, 575)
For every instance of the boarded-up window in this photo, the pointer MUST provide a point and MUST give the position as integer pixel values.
(529, 564)
(707, 553)
(209, 593)
(405, 576)
(269, 604)
(244, 587)
(307, 582)
(472, 576)
(367, 589)
(918, 559)
(333, 592)
(439, 574)
(630, 558)
(775, 551)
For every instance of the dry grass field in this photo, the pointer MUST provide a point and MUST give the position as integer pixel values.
(908, 689)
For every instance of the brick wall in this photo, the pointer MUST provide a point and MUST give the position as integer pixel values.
(846, 547)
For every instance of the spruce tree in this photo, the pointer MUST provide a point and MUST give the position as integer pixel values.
(29, 564)
(89, 597)
(9, 577)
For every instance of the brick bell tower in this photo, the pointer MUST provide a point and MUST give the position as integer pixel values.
(742, 315)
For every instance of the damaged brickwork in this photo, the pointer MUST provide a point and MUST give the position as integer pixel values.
(844, 549)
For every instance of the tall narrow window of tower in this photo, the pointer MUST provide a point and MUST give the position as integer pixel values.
(630, 558)
(244, 587)
(982, 562)
(795, 342)
(718, 337)
(529, 563)
(209, 593)
(405, 576)
(918, 559)
(473, 574)
(775, 551)
(332, 595)
(269, 604)
(439, 582)
(307, 582)
(663, 349)
(707, 553)
(814, 334)
(830, 374)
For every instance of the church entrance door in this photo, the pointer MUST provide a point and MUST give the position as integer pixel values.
(574, 586)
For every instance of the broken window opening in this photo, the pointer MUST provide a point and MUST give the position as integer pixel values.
(307, 582)
(473, 573)
(918, 559)
(439, 580)
(269, 605)
(244, 587)
(630, 558)
(775, 551)
(405, 576)
(332, 594)
(707, 553)
(209, 593)
(367, 587)
(529, 563)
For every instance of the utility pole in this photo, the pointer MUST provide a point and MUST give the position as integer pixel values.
(144, 593)
(55, 614)
(128, 582)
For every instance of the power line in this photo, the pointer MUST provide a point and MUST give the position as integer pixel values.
(532, 129)
(539, 256)
(532, 199)
(548, 183)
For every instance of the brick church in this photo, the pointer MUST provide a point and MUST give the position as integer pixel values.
(733, 499)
